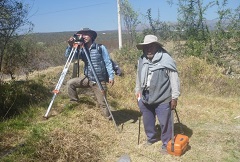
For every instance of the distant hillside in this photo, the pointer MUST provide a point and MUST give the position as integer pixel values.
(109, 38)
(63, 36)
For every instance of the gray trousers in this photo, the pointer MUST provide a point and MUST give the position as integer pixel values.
(83, 82)
(163, 113)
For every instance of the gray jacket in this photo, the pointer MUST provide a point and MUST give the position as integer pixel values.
(163, 85)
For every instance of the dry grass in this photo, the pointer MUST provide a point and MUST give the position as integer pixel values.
(82, 134)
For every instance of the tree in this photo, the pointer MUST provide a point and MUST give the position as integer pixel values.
(158, 28)
(23, 55)
(130, 18)
(192, 23)
(13, 16)
(226, 33)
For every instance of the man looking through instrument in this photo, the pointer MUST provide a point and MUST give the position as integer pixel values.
(101, 63)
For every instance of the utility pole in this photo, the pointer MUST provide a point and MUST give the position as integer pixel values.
(119, 26)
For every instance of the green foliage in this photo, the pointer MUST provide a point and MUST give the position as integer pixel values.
(13, 16)
(25, 55)
(127, 55)
(225, 38)
(195, 47)
(192, 22)
(17, 96)
(202, 41)
(14, 58)
(130, 18)
(158, 28)
(37, 133)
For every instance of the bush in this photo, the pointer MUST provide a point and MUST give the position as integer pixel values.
(16, 96)
(197, 74)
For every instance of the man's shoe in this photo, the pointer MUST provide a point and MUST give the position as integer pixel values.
(163, 150)
(106, 113)
(109, 117)
(148, 143)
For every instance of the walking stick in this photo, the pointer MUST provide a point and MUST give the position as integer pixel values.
(139, 127)
(172, 140)
(63, 74)
(99, 86)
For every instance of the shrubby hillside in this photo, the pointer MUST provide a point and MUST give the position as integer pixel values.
(208, 109)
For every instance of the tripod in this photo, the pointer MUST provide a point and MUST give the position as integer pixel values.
(63, 74)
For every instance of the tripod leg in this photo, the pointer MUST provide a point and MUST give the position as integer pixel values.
(99, 85)
(60, 81)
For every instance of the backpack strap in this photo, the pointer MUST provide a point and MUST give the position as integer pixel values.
(99, 48)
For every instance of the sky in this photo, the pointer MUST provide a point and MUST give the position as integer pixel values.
(99, 15)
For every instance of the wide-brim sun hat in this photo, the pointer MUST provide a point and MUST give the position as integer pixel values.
(87, 30)
(148, 39)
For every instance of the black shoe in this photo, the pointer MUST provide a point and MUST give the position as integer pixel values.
(148, 143)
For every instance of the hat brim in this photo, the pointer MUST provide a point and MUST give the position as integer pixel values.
(141, 45)
(93, 33)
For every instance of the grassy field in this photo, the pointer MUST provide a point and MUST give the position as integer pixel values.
(208, 109)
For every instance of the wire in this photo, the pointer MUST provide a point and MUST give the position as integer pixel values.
(46, 13)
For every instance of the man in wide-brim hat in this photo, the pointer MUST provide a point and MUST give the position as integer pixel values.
(150, 43)
(157, 89)
(149, 39)
(101, 69)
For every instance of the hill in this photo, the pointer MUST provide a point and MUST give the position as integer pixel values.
(104, 37)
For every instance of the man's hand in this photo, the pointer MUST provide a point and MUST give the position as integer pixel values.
(111, 82)
(138, 96)
(71, 41)
(173, 104)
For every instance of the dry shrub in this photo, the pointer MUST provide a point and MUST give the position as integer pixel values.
(76, 135)
(197, 74)
(123, 90)
(68, 146)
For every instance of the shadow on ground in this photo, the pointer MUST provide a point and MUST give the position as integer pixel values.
(124, 115)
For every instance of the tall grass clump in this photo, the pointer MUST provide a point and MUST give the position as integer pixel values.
(123, 90)
(198, 75)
